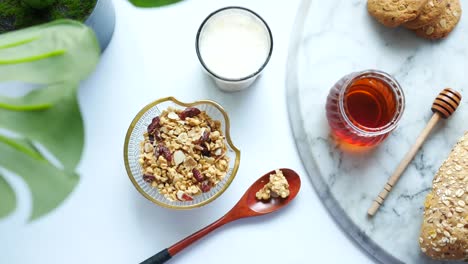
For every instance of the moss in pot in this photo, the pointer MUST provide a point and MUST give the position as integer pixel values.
(17, 14)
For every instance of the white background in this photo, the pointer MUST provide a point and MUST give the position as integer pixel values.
(105, 220)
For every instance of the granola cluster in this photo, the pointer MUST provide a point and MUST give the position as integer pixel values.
(183, 153)
(278, 186)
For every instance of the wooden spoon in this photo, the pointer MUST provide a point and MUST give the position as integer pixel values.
(247, 206)
(445, 104)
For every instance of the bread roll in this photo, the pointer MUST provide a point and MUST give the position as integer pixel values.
(444, 231)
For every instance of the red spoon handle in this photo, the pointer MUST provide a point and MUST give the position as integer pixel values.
(179, 246)
(166, 254)
(161, 257)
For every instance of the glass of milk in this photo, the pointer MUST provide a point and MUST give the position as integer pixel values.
(234, 44)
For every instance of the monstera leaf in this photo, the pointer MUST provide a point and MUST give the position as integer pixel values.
(8, 196)
(46, 123)
(153, 3)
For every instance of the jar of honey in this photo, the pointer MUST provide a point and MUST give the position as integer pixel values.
(363, 108)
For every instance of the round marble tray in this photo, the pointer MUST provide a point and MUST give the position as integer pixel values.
(336, 37)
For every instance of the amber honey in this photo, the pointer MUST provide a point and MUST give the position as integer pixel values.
(363, 108)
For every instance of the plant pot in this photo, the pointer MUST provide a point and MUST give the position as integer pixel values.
(98, 14)
(102, 21)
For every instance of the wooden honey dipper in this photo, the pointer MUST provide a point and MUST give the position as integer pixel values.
(444, 106)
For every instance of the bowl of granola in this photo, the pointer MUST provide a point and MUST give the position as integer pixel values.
(180, 155)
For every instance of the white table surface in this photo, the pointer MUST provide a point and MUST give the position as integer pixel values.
(105, 220)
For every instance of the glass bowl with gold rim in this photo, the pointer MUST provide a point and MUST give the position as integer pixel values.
(135, 136)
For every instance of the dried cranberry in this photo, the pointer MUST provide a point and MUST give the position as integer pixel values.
(189, 112)
(182, 196)
(149, 178)
(205, 152)
(164, 151)
(186, 197)
(157, 136)
(154, 126)
(167, 155)
(197, 175)
(205, 186)
(151, 138)
(205, 137)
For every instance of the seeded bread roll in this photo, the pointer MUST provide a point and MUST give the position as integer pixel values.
(444, 232)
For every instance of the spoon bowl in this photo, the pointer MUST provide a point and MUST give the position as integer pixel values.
(248, 206)
(274, 204)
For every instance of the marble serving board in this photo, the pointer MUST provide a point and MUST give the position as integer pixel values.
(336, 37)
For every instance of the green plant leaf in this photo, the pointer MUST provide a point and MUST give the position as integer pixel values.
(22, 145)
(58, 51)
(8, 201)
(41, 99)
(153, 3)
(59, 129)
(57, 55)
(49, 185)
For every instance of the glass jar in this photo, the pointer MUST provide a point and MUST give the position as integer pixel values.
(234, 45)
(363, 108)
